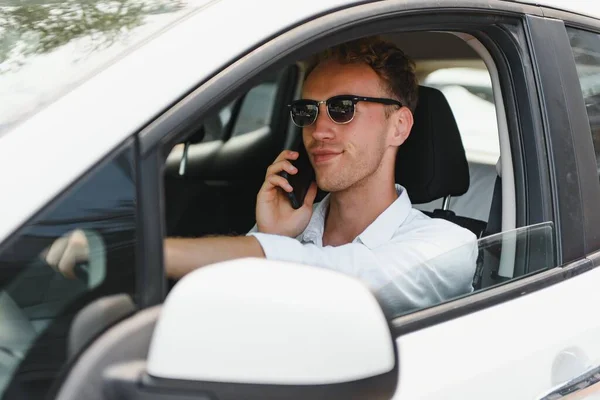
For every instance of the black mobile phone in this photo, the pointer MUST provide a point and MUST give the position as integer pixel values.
(301, 180)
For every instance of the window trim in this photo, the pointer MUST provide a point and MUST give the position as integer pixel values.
(377, 18)
(150, 275)
(572, 19)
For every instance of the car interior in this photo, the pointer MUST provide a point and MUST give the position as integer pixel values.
(212, 178)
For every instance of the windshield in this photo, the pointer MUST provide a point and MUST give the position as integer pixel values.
(49, 47)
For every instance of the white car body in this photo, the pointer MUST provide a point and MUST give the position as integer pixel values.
(59, 143)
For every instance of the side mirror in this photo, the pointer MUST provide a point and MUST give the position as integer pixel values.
(258, 329)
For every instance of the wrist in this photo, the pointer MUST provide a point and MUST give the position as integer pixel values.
(276, 231)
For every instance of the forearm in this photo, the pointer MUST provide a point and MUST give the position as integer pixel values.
(184, 255)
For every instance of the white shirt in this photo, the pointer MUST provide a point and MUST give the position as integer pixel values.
(408, 260)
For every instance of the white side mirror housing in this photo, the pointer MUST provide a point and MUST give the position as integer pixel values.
(271, 325)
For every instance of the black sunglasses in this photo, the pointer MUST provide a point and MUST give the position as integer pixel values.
(339, 108)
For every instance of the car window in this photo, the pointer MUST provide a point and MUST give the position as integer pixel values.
(256, 109)
(209, 200)
(586, 50)
(500, 258)
(245, 114)
(38, 304)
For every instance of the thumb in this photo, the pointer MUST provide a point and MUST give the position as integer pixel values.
(309, 199)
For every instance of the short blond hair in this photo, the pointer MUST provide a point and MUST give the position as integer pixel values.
(395, 69)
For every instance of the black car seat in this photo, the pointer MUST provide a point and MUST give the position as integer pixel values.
(432, 164)
(216, 193)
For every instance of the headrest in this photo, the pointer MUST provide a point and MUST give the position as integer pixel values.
(431, 163)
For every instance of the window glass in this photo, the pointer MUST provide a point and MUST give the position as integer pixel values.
(38, 304)
(257, 109)
(501, 257)
(586, 50)
(245, 114)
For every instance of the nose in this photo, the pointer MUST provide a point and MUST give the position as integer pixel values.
(323, 128)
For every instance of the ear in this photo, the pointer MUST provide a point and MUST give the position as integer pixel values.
(401, 124)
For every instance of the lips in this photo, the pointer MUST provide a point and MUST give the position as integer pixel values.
(322, 156)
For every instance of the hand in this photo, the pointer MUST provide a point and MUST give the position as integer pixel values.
(274, 213)
(67, 251)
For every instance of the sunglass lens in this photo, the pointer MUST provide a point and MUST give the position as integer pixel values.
(304, 114)
(341, 110)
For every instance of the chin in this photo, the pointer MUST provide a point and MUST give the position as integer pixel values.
(329, 185)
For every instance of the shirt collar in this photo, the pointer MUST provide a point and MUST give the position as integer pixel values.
(379, 232)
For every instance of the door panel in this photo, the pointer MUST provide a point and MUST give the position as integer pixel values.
(520, 349)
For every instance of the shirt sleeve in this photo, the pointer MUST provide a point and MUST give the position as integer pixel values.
(408, 274)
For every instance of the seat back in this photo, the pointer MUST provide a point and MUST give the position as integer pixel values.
(431, 164)
(97, 317)
(128, 340)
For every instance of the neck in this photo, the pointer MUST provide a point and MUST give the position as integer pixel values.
(352, 210)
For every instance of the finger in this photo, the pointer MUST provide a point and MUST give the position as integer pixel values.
(55, 252)
(283, 165)
(279, 181)
(309, 199)
(76, 251)
(66, 265)
(286, 155)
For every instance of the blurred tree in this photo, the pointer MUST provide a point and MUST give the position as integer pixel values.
(29, 28)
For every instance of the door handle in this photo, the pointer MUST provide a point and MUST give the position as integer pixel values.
(586, 384)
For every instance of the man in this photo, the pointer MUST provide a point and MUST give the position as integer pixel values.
(356, 110)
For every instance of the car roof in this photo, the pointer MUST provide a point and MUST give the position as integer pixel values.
(54, 146)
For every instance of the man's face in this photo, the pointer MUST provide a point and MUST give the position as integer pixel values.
(347, 155)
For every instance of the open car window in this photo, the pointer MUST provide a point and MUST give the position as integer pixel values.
(217, 193)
